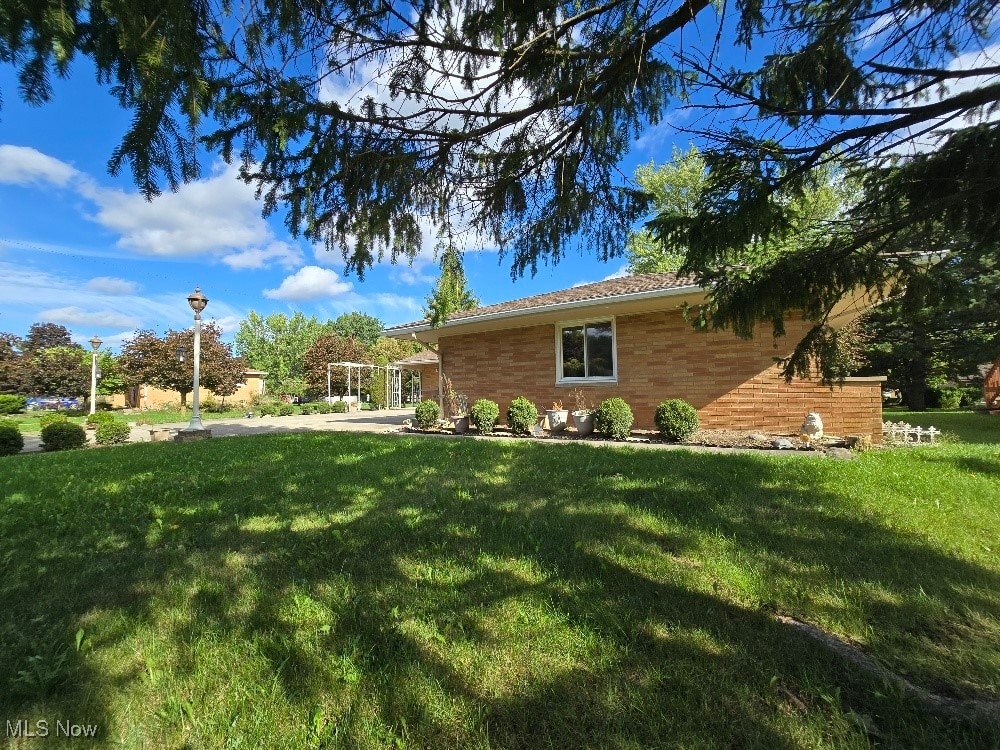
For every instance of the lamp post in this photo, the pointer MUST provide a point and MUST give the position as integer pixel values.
(95, 344)
(198, 301)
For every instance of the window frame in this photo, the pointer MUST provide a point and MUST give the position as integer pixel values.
(585, 380)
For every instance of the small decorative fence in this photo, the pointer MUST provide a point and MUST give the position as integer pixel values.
(901, 432)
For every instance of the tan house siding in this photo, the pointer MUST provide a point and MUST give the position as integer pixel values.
(149, 397)
(732, 382)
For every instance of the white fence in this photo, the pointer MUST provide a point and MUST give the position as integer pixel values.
(901, 432)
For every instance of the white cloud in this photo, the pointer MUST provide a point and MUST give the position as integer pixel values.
(621, 273)
(228, 323)
(310, 283)
(285, 255)
(22, 165)
(76, 316)
(111, 285)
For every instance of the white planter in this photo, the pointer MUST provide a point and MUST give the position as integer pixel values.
(557, 419)
(584, 422)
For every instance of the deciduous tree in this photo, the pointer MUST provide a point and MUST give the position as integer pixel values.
(365, 328)
(331, 348)
(276, 344)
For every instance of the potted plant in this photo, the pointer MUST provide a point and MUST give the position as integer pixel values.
(458, 410)
(583, 414)
(557, 416)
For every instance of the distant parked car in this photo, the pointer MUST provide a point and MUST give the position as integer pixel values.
(37, 403)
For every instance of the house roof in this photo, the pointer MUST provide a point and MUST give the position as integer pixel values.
(625, 287)
(424, 357)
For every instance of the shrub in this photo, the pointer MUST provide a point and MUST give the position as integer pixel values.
(484, 414)
(676, 419)
(323, 407)
(522, 415)
(99, 417)
(310, 408)
(427, 413)
(11, 440)
(51, 417)
(12, 404)
(112, 433)
(211, 406)
(339, 407)
(285, 410)
(268, 408)
(614, 418)
(971, 395)
(63, 436)
(75, 412)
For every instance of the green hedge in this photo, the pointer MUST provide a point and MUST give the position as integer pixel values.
(484, 414)
(100, 417)
(11, 440)
(51, 417)
(339, 407)
(676, 419)
(63, 436)
(522, 415)
(112, 433)
(12, 404)
(614, 418)
(427, 414)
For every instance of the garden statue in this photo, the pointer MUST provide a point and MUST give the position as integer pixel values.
(812, 428)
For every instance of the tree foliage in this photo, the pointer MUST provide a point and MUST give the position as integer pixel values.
(365, 328)
(945, 325)
(451, 291)
(511, 119)
(276, 344)
(331, 348)
(148, 359)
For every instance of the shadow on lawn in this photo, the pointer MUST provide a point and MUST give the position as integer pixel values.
(468, 594)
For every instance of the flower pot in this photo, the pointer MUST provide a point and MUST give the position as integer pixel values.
(461, 424)
(584, 422)
(557, 419)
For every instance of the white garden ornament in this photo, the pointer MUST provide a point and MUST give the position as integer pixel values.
(812, 428)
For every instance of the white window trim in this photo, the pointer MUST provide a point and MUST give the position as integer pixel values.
(560, 380)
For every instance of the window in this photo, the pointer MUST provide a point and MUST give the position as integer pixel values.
(586, 351)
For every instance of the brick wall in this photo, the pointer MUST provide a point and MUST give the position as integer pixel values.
(733, 383)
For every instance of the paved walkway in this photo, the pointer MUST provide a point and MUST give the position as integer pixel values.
(386, 420)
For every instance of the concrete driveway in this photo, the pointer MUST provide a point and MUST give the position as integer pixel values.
(385, 420)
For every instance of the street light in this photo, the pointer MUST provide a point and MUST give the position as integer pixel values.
(95, 344)
(197, 300)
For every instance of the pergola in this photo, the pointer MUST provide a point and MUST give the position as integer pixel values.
(393, 380)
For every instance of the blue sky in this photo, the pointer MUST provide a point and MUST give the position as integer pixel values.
(82, 248)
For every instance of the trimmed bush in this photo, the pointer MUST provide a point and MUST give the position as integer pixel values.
(12, 404)
(112, 433)
(11, 440)
(614, 418)
(99, 417)
(267, 408)
(309, 408)
(427, 413)
(484, 414)
(339, 407)
(63, 436)
(285, 410)
(51, 417)
(323, 407)
(522, 415)
(676, 419)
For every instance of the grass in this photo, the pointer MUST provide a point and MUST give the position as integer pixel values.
(967, 426)
(28, 422)
(378, 591)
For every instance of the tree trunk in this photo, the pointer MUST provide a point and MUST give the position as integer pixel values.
(183, 399)
(913, 396)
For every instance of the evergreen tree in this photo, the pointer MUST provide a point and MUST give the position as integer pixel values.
(451, 292)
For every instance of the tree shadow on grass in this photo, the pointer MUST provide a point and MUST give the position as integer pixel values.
(460, 594)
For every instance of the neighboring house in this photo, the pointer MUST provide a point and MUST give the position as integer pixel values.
(150, 397)
(628, 337)
(991, 387)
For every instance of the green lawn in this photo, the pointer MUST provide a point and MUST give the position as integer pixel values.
(380, 591)
(968, 426)
(28, 422)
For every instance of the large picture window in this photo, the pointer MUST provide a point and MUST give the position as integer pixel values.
(586, 351)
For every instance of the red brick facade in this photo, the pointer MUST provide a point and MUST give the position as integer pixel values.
(733, 383)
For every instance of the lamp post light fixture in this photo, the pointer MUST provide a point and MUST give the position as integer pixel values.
(197, 301)
(95, 344)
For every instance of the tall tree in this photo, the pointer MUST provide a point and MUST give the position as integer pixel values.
(148, 359)
(512, 118)
(331, 348)
(46, 336)
(55, 371)
(276, 344)
(945, 325)
(10, 360)
(365, 328)
(451, 292)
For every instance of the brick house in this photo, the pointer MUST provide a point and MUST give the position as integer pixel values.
(627, 337)
(150, 397)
